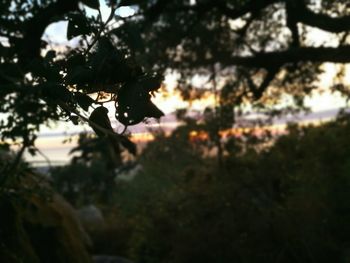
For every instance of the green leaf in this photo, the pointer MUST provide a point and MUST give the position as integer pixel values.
(94, 4)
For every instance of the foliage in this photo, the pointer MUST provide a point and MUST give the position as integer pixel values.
(256, 51)
(39, 83)
(245, 53)
(286, 202)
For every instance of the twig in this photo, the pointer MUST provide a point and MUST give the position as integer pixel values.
(45, 157)
(103, 25)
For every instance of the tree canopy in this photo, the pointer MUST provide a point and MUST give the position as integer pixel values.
(256, 51)
(258, 47)
(39, 84)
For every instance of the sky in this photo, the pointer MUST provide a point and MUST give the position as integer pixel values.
(50, 139)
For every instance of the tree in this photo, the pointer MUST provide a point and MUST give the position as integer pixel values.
(260, 50)
(285, 203)
(39, 84)
(265, 56)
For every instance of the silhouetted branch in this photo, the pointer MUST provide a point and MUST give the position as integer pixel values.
(258, 91)
(292, 23)
(293, 55)
(301, 14)
(322, 21)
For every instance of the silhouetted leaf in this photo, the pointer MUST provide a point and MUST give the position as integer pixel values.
(79, 75)
(50, 55)
(134, 104)
(94, 4)
(132, 101)
(76, 60)
(55, 92)
(74, 119)
(83, 100)
(130, 34)
(151, 83)
(110, 65)
(77, 25)
(152, 111)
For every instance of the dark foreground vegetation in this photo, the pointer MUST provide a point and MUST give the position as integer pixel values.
(288, 202)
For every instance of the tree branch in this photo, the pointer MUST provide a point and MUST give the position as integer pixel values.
(302, 14)
(293, 55)
(322, 21)
(292, 23)
(259, 91)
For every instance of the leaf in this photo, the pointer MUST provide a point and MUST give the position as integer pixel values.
(79, 75)
(77, 25)
(152, 111)
(134, 104)
(83, 100)
(77, 59)
(94, 4)
(132, 101)
(130, 34)
(50, 55)
(55, 92)
(74, 119)
(152, 83)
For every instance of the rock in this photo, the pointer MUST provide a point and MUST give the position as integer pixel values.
(34, 229)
